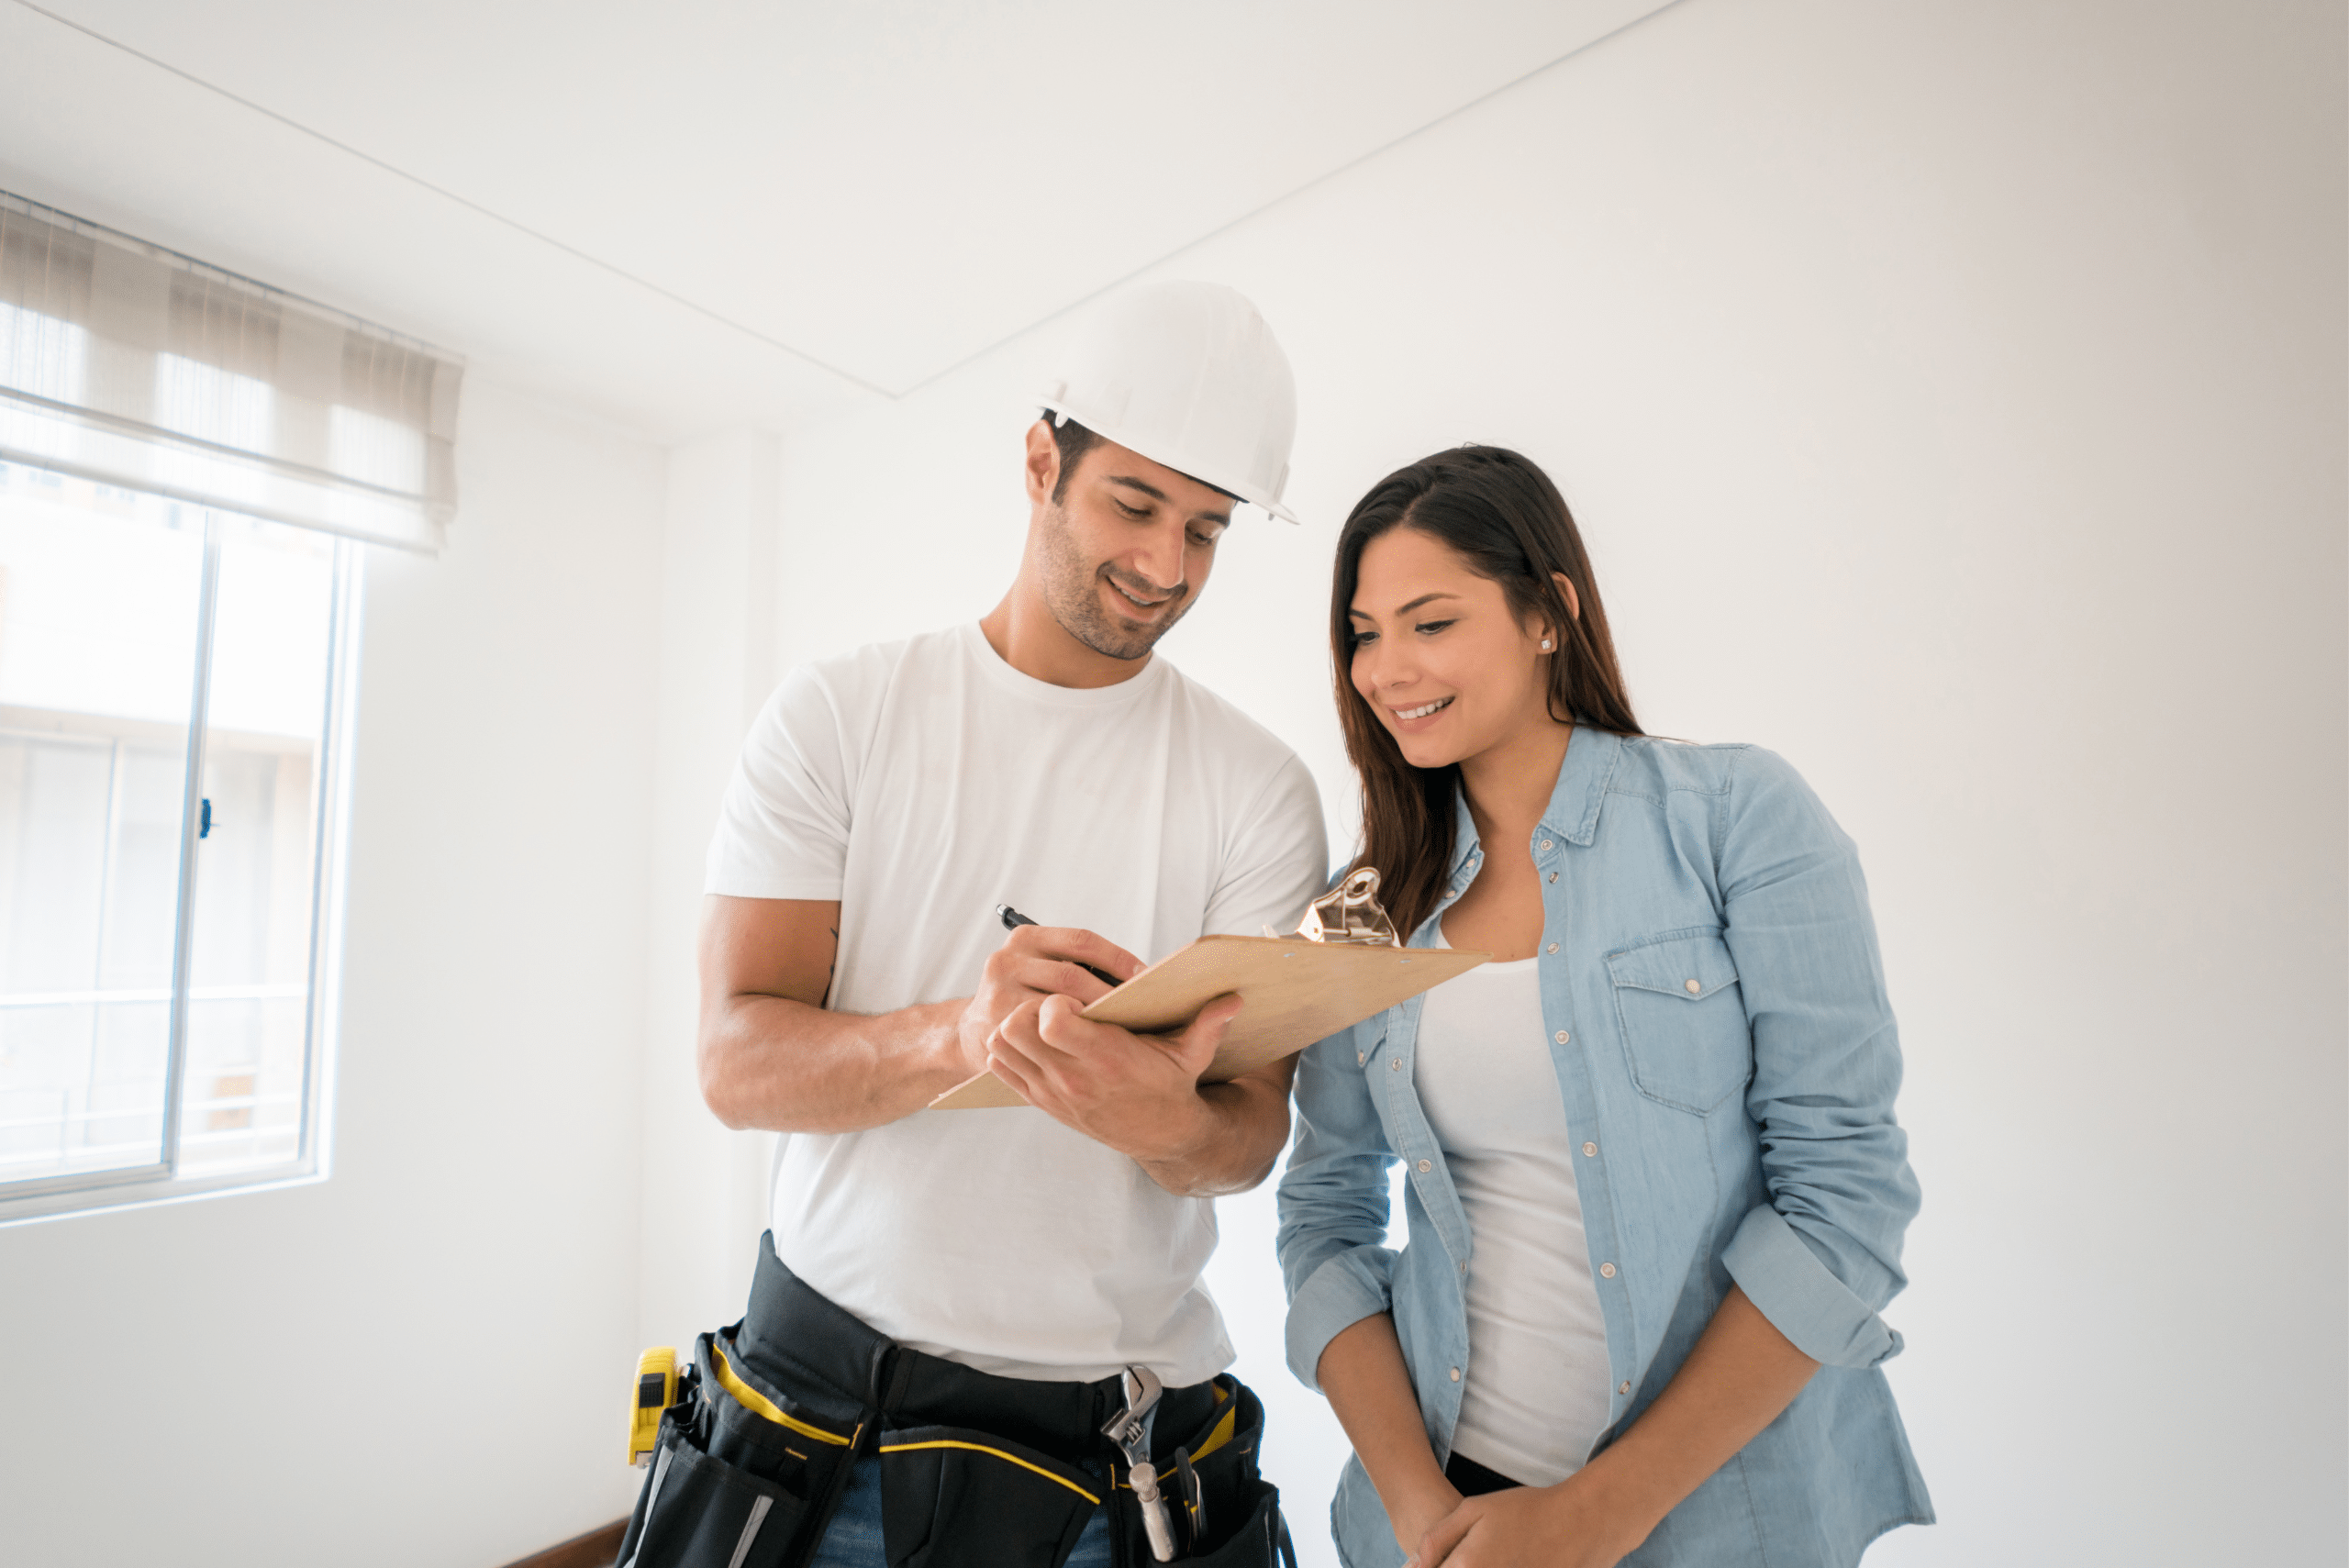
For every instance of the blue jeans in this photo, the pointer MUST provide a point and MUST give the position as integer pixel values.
(854, 1538)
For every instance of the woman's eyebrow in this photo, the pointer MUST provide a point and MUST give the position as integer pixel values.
(1405, 609)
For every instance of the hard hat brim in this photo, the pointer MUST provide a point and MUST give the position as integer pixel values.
(1254, 495)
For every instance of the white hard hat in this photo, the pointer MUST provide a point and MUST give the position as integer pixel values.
(1188, 375)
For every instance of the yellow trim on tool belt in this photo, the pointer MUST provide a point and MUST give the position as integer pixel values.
(981, 1447)
(754, 1400)
(1220, 1435)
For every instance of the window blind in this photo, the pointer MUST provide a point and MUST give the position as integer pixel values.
(129, 365)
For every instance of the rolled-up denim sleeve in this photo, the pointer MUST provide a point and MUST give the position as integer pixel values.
(1821, 1257)
(1332, 1242)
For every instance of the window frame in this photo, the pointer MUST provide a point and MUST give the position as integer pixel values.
(159, 1182)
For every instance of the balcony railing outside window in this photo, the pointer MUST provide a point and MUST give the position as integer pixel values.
(192, 465)
(173, 693)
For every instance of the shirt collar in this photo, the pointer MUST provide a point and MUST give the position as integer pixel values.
(1573, 811)
(1582, 784)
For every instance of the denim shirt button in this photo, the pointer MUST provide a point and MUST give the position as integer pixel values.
(1562, 1037)
(1546, 844)
(1589, 1150)
(1395, 1064)
(1362, 1058)
(1607, 1270)
(1425, 1167)
(1625, 1388)
(1455, 1375)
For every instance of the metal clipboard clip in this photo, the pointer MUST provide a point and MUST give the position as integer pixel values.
(1349, 914)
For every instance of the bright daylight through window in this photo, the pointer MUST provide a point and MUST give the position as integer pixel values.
(167, 682)
(192, 468)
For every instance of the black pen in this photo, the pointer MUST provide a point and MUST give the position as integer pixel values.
(1013, 919)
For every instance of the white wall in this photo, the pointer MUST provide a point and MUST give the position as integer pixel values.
(1952, 395)
(420, 1360)
(705, 1189)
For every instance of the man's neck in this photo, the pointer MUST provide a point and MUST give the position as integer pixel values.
(1026, 635)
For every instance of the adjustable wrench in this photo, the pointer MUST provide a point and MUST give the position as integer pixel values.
(1126, 1430)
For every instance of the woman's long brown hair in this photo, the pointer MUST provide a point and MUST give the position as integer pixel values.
(1508, 523)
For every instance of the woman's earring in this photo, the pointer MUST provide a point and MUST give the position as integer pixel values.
(1545, 645)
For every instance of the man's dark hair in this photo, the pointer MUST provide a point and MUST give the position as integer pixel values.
(1074, 441)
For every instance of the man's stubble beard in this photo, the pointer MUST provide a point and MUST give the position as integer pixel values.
(1070, 584)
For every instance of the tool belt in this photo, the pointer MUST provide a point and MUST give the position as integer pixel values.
(977, 1470)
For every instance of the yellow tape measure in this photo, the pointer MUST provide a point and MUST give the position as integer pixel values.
(656, 1390)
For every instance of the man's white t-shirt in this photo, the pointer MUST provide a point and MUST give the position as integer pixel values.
(921, 783)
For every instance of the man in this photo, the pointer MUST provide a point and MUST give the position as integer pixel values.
(952, 1298)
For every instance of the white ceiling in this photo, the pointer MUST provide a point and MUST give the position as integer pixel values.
(701, 213)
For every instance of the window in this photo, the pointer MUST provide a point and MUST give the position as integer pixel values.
(192, 467)
(174, 693)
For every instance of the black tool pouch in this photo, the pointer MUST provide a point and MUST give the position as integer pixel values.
(741, 1476)
(1226, 1514)
(956, 1498)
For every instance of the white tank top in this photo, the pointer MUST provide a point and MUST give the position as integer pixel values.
(1535, 1398)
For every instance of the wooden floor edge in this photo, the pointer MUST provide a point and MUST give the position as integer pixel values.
(598, 1549)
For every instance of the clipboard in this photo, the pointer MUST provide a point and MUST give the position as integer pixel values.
(1297, 989)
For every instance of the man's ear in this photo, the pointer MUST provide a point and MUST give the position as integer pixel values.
(1043, 462)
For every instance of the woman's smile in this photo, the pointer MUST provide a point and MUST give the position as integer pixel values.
(1425, 710)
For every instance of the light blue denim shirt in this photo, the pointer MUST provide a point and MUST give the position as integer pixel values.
(1727, 1057)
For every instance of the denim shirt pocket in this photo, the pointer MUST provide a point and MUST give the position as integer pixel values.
(1686, 1038)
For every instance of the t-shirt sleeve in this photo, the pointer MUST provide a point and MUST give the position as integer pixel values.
(783, 827)
(1279, 861)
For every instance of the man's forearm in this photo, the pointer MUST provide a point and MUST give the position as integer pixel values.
(786, 1066)
(1239, 1133)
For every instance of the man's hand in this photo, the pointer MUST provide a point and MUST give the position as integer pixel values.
(1035, 962)
(1142, 1095)
(773, 1054)
(1138, 1093)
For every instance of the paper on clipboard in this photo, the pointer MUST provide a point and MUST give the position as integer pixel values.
(1297, 990)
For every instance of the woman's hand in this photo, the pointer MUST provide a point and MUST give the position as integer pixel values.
(1566, 1526)
(1741, 1374)
(1414, 1515)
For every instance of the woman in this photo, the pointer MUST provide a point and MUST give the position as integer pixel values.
(1655, 1186)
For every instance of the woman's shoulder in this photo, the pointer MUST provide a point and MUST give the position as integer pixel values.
(1754, 800)
(1652, 764)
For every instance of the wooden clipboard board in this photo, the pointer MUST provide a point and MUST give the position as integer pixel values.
(1297, 991)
